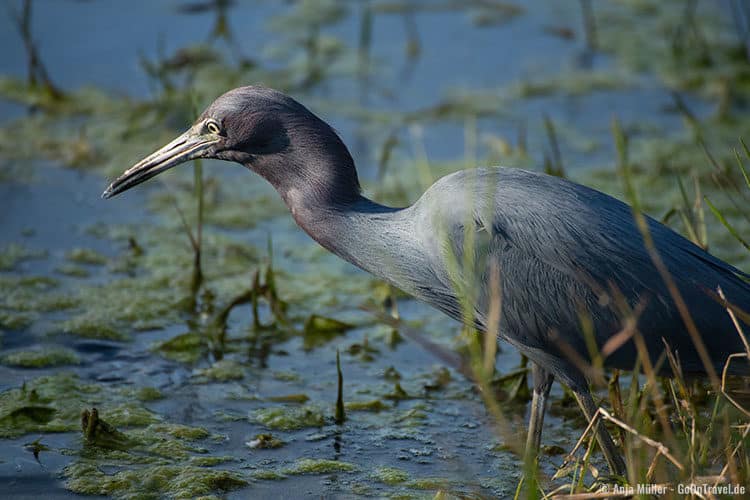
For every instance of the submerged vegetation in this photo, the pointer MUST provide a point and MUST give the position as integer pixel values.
(177, 351)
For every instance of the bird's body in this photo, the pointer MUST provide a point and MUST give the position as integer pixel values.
(563, 253)
(551, 256)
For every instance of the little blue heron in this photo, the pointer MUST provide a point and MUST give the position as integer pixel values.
(560, 255)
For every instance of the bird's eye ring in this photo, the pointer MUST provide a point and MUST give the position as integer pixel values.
(213, 127)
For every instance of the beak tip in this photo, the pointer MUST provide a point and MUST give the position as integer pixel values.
(187, 146)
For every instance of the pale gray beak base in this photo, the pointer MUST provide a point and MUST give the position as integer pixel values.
(188, 146)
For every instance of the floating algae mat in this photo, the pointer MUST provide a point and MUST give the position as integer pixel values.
(130, 368)
(54, 403)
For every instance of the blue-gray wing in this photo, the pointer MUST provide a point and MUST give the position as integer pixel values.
(569, 262)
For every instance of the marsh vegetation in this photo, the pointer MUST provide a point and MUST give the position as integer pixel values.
(189, 340)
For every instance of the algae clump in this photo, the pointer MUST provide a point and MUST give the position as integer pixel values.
(97, 432)
(390, 475)
(186, 348)
(268, 475)
(42, 356)
(265, 441)
(53, 403)
(14, 253)
(181, 431)
(319, 466)
(428, 483)
(290, 398)
(173, 481)
(149, 394)
(46, 404)
(73, 270)
(16, 320)
(222, 371)
(289, 418)
(210, 461)
(156, 461)
(374, 405)
(85, 256)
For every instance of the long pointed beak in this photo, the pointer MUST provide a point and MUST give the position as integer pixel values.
(188, 146)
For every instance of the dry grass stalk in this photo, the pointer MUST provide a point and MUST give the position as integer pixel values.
(602, 413)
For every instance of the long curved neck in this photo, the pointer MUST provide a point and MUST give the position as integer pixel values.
(379, 239)
(317, 180)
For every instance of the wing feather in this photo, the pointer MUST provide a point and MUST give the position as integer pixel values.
(565, 252)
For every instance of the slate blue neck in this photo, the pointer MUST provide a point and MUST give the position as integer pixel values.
(320, 186)
(373, 237)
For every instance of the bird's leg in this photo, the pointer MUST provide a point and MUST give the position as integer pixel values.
(611, 453)
(542, 381)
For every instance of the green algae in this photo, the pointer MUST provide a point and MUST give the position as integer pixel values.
(18, 90)
(85, 256)
(290, 398)
(428, 483)
(391, 374)
(33, 295)
(666, 42)
(149, 394)
(289, 418)
(73, 270)
(390, 475)
(374, 405)
(163, 442)
(286, 376)
(41, 356)
(186, 348)
(96, 145)
(439, 379)
(97, 432)
(265, 441)
(225, 208)
(318, 324)
(45, 404)
(319, 330)
(398, 393)
(210, 461)
(31, 283)
(14, 253)
(154, 461)
(318, 466)
(268, 475)
(131, 414)
(174, 481)
(53, 403)
(237, 220)
(413, 417)
(222, 371)
(364, 351)
(135, 303)
(16, 320)
(184, 432)
(156, 289)
(93, 326)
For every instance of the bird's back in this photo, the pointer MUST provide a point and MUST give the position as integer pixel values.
(570, 261)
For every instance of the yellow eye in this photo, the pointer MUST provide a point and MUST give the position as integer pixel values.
(213, 127)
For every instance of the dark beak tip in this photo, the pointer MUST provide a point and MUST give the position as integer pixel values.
(186, 147)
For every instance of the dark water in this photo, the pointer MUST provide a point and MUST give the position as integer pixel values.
(447, 434)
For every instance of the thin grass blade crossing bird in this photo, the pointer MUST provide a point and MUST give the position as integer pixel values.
(562, 250)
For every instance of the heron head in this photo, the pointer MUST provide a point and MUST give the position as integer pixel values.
(265, 130)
